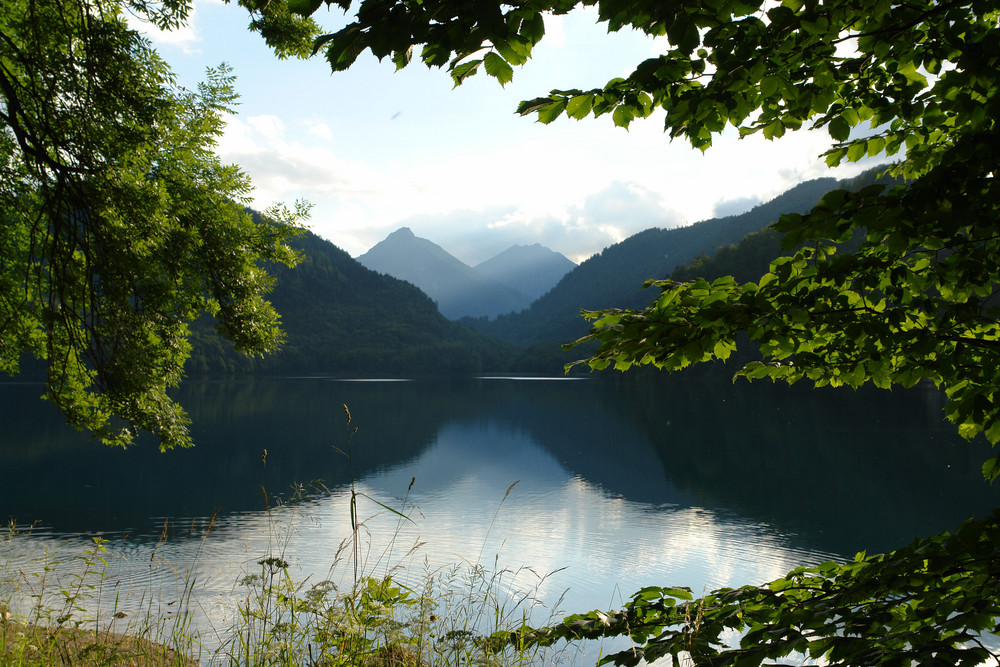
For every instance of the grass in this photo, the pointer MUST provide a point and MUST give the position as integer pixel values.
(31, 645)
(68, 622)
(80, 614)
(275, 618)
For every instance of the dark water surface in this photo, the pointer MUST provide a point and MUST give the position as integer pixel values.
(619, 484)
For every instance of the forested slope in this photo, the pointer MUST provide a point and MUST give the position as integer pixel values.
(343, 319)
(614, 277)
(749, 258)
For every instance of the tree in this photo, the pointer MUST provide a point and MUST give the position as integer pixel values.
(914, 298)
(120, 224)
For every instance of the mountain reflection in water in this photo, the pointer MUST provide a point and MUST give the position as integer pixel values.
(617, 484)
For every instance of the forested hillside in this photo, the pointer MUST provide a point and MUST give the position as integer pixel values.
(748, 259)
(615, 276)
(344, 319)
(341, 318)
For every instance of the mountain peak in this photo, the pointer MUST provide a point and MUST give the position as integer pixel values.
(458, 289)
(530, 269)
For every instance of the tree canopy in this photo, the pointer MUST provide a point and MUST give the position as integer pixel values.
(894, 284)
(120, 224)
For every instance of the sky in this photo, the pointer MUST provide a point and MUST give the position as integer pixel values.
(373, 150)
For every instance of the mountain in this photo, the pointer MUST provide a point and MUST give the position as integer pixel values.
(458, 289)
(614, 277)
(749, 258)
(341, 318)
(530, 269)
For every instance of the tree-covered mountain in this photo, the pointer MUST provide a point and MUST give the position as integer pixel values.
(457, 288)
(614, 277)
(532, 270)
(749, 258)
(341, 318)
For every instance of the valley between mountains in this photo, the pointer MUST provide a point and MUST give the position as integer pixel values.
(409, 308)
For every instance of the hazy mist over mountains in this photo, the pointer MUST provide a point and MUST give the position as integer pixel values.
(507, 283)
(407, 307)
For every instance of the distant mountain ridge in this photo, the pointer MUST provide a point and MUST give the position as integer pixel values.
(509, 282)
(614, 277)
(530, 269)
(344, 319)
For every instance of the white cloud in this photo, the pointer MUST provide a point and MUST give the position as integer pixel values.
(479, 200)
(734, 206)
(630, 206)
(320, 129)
(186, 38)
(271, 127)
(284, 170)
(475, 234)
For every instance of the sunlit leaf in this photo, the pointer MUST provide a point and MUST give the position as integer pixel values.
(498, 68)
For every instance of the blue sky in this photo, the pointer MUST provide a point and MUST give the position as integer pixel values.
(374, 150)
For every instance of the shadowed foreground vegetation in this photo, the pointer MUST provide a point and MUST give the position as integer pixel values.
(22, 644)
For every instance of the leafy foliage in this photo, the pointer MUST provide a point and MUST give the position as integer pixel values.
(922, 604)
(120, 223)
(916, 301)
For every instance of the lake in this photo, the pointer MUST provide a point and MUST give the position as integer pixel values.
(580, 491)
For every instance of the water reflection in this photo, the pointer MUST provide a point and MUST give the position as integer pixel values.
(850, 470)
(616, 485)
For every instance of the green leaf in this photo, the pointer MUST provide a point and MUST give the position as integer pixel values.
(993, 432)
(839, 129)
(774, 130)
(344, 48)
(579, 106)
(498, 68)
(857, 150)
(532, 106)
(534, 28)
(991, 469)
(550, 112)
(875, 146)
(402, 58)
(304, 7)
(623, 116)
(769, 85)
(909, 71)
(461, 72)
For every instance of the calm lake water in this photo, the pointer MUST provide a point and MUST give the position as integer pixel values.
(616, 484)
